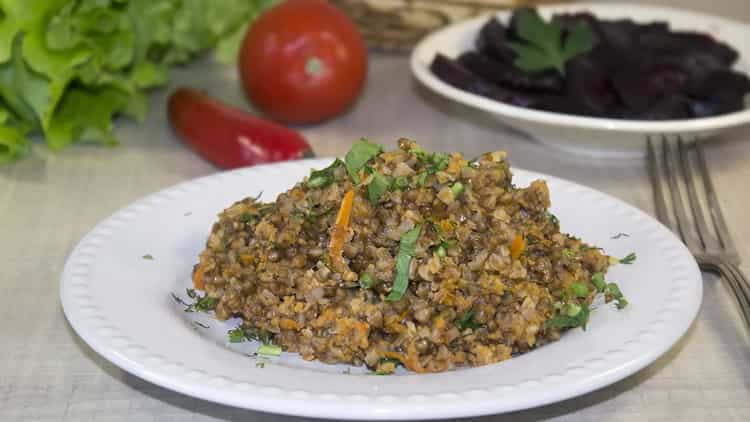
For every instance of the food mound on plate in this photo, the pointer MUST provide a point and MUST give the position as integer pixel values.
(403, 257)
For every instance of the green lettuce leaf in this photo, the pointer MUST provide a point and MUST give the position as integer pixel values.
(69, 67)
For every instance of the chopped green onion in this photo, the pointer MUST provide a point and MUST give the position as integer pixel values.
(579, 289)
(598, 280)
(268, 350)
(377, 187)
(422, 179)
(403, 261)
(628, 259)
(573, 309)
(614, 291)
(361, 152)
(441, 251)
(457, 189)
(366, 281)
(401, 183)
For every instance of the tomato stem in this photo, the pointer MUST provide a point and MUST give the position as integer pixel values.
(313, 66)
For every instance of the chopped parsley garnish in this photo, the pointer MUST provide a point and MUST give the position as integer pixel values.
(148, 257)
(401, 182)
(366, 281)
(421, 179)
(457, 189)
(322, 178)
(546, 45)
(202, 303)
(403, 261)
(361, 152)
(629, 259)
(466, 320)
(378, 186)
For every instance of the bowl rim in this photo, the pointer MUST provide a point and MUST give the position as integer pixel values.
(426, 48)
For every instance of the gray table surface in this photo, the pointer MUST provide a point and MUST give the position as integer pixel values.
(48, 201)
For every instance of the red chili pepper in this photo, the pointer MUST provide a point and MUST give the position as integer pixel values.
(229, 137)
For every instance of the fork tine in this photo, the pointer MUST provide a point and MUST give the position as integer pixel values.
(653, 172)
(678, 205)
(704, 233)
(713, 205)
(740, 287)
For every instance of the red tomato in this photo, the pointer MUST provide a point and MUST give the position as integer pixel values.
(303, 61)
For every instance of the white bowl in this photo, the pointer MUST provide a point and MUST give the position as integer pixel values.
(588, 135)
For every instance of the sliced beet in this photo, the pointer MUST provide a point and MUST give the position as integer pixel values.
(675, 43)
(507, 74)
(492, 42)
(671, 107)
(588, 82)
(453, 73)
(721, 83)
(634, 71)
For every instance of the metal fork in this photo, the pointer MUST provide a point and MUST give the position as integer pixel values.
(681, 167)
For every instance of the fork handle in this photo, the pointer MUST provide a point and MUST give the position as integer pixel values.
(739, 285)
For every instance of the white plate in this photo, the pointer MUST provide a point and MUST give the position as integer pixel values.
(120, 304)
(587, 135)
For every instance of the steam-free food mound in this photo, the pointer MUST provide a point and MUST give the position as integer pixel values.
(404, 257)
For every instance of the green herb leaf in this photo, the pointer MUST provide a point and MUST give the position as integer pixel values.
(544, 46)
(322, 178)
(403, 261)
(148, 257)
(377, 187)
(629, 259)
(366, 281)
(361, 152)
(553, 218)
(422, 179)
(466, 320)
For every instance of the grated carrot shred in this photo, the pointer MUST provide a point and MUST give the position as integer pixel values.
(517, 246)
(338, 231)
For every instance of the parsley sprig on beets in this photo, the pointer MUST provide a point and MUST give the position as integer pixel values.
(546, 45)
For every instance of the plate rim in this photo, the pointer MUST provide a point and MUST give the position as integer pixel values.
(426, 78)
(319, 404)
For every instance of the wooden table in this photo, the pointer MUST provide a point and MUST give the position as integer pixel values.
(48, 201)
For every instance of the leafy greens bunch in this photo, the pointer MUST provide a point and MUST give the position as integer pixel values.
(68, 67)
